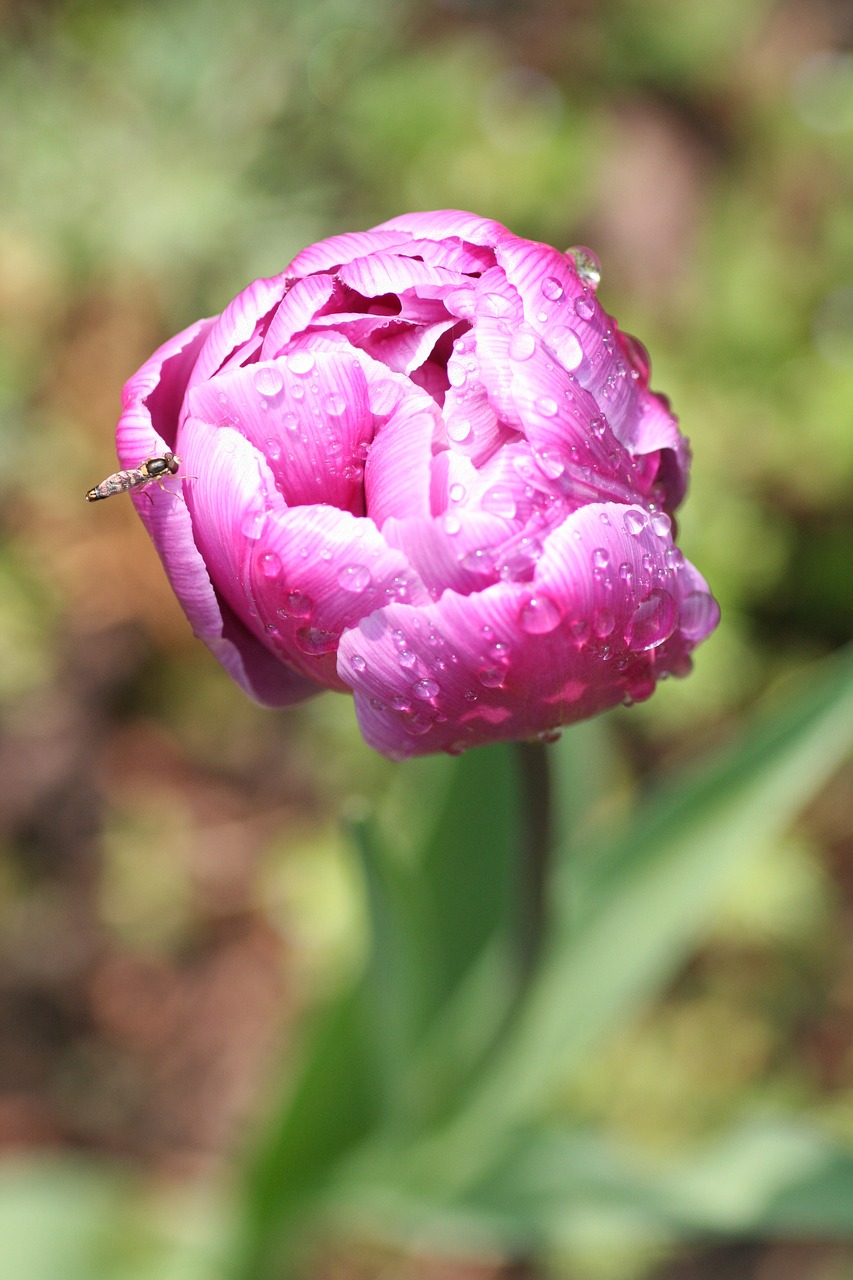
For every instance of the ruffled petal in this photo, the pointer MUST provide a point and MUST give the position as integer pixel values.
(241, 325)
(296, 576)
(328, 255)
(441, 223)
(299, 308)
(308, 414)
(601, 621)
(397, 472)
(152, 398)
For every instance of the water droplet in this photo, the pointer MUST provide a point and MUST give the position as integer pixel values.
(452, 524)
(661, 524)
(552, 288)
(547, 406)
(499, 501)
(700, 613)
(550, 735)
(407, 658)
(417, 724)
(355, 578)
(584, 306)
(458, 429)
(267, 380)
(635, 522)
(598, 425)
(456, 374)
(300, 362)
(586, 264)
(539, 615)
(270, 565)
(674, 558)
(480, 560)
(492, 677)
(273, 448)
(653, 620)
(457, 492)
(522, 344)
(426, 690)
(316, 641)
(603, 623)
(290, 421)
(566, 346)
(550, 462)
(358, 663)
(297, 605)
(496, 304)
(335, 403)
(600, 558)
(252, 524)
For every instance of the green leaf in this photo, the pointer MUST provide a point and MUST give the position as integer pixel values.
(634, 921)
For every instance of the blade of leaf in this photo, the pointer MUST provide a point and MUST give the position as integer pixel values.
(658, 889)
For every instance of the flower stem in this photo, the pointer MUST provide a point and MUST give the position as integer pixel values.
(534, 861)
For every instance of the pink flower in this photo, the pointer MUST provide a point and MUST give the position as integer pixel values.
(423, 465)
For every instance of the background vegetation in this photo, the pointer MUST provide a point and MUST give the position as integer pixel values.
(178, 893)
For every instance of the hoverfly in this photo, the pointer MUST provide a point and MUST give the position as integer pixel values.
(150, 471)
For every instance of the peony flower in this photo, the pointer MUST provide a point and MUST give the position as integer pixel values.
(423, 466)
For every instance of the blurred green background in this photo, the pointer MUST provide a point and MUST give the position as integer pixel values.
(175, 887)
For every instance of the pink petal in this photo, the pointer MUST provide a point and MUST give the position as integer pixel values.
(166, 517)
(397, 471)
(441, 223)
(298, 309)
(328, 255)
(241, 322)
(152, 397)
(456, 551)
(381, 273)
(602, 619)
(307, 413)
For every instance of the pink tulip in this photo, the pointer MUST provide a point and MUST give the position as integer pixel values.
(423, 466)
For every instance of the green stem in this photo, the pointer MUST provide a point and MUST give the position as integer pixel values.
(534, 864)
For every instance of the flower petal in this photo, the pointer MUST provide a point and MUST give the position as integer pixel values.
(307, 413)
(152, 397)
(241, 324)
(441, 223)
(598, 624)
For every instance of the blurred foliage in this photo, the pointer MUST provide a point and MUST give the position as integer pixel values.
(177, 890)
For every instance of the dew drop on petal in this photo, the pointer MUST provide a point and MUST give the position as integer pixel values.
(598, 425)
(426, 690)
(522, 344)
(584, 307)
(674, 558)
(552, 288)
(661, 524)
(539, 615)
(586, 264)
(355, 578)
(291, 421)
(335, 403)
(567, 348)
(407, 658)
(550, 462)
(457, 492)
(452, 524)
(267, 380)
(270, 565)
(700, 613)
(252, 524)
(300, 362)
(603, 623)
(297, 605)
(359, 664)
(635, 522)
(273, 450)
(600, 558)
(653, 620)
(492, 677)
(499, 501)
(547, 406)
(315, 641)
(458, 429)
